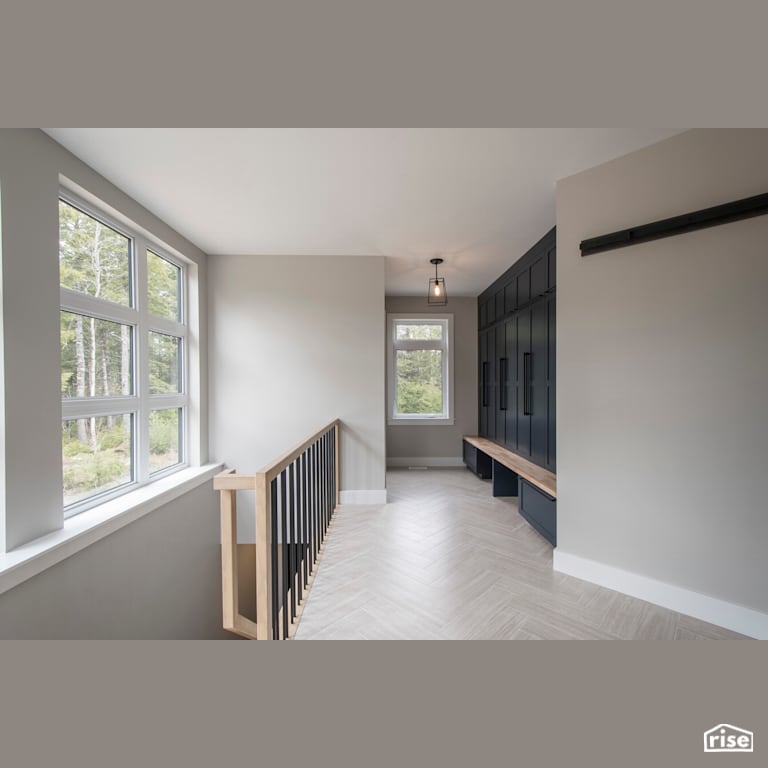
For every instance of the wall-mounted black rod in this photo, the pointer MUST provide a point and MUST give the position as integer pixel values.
(688, 222)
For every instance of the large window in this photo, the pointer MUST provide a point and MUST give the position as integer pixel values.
(123, 357)
(420, 369)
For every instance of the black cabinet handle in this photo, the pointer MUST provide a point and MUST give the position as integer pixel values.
(503, 375)
(485, 385)
(527, 384)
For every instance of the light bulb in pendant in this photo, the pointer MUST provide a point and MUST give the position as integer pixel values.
(436, 293)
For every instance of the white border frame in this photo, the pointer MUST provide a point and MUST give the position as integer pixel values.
(141, 402)
(446, 419)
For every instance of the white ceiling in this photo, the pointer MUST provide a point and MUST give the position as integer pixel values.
(479, 198)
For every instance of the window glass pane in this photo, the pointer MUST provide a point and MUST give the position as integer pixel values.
(163, 287)
(96, 357)
(164, 363)
(419, 331)
(419, 374)
(97, 455)
(93, 258)
(164, 429)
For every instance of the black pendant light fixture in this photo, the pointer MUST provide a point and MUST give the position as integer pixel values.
(436, 294)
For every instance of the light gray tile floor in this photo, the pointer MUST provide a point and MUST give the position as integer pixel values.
(445, 560)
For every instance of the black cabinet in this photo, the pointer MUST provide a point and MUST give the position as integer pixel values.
(486, 411)
(523, 389)
(512, 384)
(517, 356)
(538, 382)
(551, 391)
(501, 373)
(539, 509)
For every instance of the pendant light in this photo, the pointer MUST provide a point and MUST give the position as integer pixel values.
(436, 294)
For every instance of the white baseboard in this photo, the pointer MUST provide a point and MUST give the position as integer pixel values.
(729, 615)
(396, 462)
(363, 497)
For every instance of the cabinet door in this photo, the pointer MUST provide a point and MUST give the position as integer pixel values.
(491, 383)
(482, 411)
(538, 377)
(499, 305)
(502, 372)
(539, 277)
(523, 382)
(524, 287)
(510, 415)
(487, 384)
(510, 297)
(551, 392)
(551, 257)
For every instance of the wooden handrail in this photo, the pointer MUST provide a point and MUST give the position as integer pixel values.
(308, 477)
(273, 469)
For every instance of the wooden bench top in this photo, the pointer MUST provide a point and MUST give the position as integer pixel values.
(534, 474)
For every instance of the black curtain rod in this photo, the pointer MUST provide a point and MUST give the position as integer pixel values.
(688, 222)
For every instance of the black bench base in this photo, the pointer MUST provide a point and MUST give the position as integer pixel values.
(537, 507)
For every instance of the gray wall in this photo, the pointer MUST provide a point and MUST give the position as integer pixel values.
(30, 166)
(157, 578)
(442, 441)
(662, 365)
(128, 574)
(296, 342)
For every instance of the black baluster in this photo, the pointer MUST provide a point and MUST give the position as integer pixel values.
(313, 491)
(326, 510)
(300, 523)
(321, 479)
(333, 456)
(292, 543)
(273, 544)
(284, 536)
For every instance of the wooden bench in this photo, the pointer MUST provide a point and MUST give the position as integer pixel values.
(512, 475)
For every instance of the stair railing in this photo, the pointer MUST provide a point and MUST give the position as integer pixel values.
(295, 498)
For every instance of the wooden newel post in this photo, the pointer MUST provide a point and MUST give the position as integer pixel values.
(264, 596)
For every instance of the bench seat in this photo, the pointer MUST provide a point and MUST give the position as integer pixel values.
(534, 474)
(512, 475)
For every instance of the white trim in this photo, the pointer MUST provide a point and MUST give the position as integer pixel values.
(424, 461)
(363, 497)
(80, 531)
(729, 615)
(445, 345)
(413, 421)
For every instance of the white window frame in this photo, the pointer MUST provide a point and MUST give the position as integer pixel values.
(445, 344)
(141, 402)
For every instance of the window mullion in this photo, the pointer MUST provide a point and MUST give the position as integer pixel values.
(408, 344)
(142, 361)
(82, 304)
(160, 402)
(168, 327)
(76, 408)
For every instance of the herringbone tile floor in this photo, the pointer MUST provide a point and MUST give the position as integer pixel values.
(445, 560)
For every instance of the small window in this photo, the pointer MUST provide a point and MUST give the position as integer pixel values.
(123, 346)
(94, 259)
(163, 287)
(420, 369)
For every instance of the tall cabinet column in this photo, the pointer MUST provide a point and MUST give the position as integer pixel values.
(516, 340)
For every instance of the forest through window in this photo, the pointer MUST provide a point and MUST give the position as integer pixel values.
(122, 357)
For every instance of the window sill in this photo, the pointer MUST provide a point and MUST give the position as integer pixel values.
(405, 422)
(80, 531)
